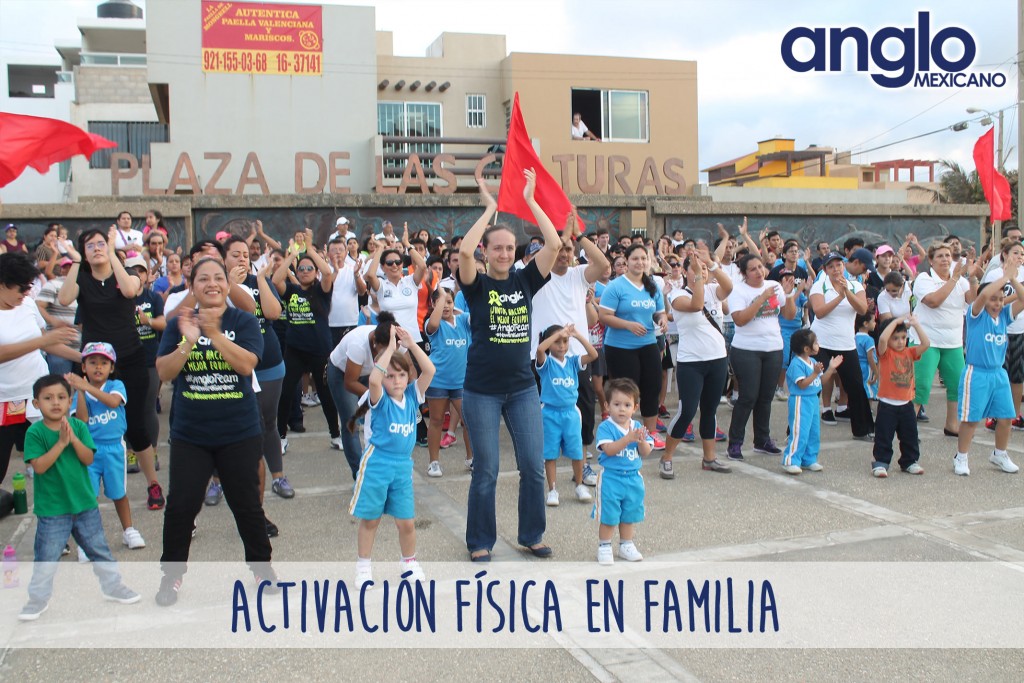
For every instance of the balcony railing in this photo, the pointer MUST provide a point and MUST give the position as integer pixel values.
(113, 59)
(394, 151)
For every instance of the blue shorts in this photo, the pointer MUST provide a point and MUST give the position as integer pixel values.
(620, 497)
(383, 486)
(787, 336)
(562, 433)
(110, 467)
(450, 394)
(984, 392)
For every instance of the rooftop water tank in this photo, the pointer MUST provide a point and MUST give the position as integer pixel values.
(119, 9)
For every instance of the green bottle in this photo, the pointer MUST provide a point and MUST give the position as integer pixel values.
(20, 495)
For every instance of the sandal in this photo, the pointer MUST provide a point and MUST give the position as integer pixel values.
(542, 551)
(485, 557)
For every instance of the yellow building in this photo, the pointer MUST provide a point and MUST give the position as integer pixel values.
(777, 163)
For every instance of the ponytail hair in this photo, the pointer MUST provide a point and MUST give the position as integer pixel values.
(399, 361)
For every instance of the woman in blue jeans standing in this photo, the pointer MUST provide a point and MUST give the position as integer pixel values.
(499, 380)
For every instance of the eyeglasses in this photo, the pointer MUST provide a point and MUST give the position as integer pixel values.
(93, 246)
(393, 262)
(305, 269)
(674, 264)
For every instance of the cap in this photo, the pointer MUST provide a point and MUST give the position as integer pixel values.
(99, 349)
(379, 236)
(136, 262)
(884, 249)
(10, 226)
(786, 272)
(65, 262)
(864, 256)
(341, 221)
(222, 235)
(533, 248)
(832, 256)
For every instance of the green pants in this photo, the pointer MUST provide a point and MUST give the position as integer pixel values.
(950, 364)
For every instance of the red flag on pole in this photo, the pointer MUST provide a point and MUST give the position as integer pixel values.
(995, 186)
(39, 142)
(520, 155)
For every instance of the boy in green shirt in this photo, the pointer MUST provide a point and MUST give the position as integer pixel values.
(60, 450)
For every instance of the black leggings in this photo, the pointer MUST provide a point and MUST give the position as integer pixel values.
(269, 399)
(861, 422)
(758, 374)
(643, 366)
(700, 383)
(297, 363)
(133, 372)
(152, 419)
(11, 437)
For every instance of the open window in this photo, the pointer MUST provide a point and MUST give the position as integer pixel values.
(613, 115)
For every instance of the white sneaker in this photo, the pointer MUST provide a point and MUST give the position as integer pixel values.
(780, 394)
(589, 475)
(469, 464)
(792, 469)
(412, 566)
(434, 469)
(310, 400)
(583, 494)
(284, 446)
(628, 552)
(960, 465)
(604, 555)
(1003, 462)
(363, 575)
(336, 444)
(879, 472)
(82, 557)
(588, 455)
(552, 499)
(132, 538)
(815, 467)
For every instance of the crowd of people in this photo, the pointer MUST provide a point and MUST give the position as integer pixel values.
(401, 339)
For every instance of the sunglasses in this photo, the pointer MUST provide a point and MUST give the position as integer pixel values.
(393, 262)
(305, 269)
(674, 264)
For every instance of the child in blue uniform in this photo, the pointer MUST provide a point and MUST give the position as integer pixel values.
(384, 482)
(804, 378)
(559, 385)
(621, 441)
(99, 401)
(984, 385)
(449, 336)
(867, 354)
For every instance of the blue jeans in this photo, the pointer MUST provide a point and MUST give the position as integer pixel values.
(521, 411)
(345, 402)
(57, 365)
(52, 534)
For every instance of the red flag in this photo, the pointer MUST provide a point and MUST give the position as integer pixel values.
(520, 155)
(39, 142)
(995, 186)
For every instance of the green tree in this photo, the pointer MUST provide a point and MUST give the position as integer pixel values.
(958, 186)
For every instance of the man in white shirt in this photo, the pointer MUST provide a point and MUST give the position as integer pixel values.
(580, 130)
(127, 239)
(348, 287)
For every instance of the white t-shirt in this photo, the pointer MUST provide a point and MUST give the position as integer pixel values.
(17, 375)
(733, 271)
(943, 325)
(561, 300)
(355, 347)
(895, 306)
(402, 300)
(670, 289)
(837, 330)
(125, 236)
(1017, 326)
(698, 339)
(762, 333)
(578, 130)
(344, 298)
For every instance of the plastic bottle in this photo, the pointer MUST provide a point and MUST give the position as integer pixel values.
(20, 495)
(10, 566)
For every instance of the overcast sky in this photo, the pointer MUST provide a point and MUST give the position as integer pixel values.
(746, 92)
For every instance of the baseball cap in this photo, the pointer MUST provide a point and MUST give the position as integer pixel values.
(99, 349)
(864, 256)
(135, 262)
(10, 226)
(341, 221)
(533, 248)
(884, 249)
(65, 262)
(786, 272)
(832, 256)
(222, 235)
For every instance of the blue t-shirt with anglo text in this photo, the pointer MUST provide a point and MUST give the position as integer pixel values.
(106, 425)
(392, 424)
(449, 346)
(633, 304)
(558, 381)
(628, 459)
(986, 338)
(798, 369)
(788, 327)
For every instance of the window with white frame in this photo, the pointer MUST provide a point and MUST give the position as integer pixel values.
(613, 115)
(476, 111)
(409, 119)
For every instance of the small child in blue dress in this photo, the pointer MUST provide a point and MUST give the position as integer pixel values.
(867, 354)
(559, 386)
(803, 379)
(384, 482)
(621, 441)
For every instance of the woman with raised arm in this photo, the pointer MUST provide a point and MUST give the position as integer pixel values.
(499, 380)
(396, 292)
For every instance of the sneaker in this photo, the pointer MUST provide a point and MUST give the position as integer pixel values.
(413, 568)
(282, 488)
(434, 469)
(195, 527)
(791, 469)
(628, 552)
(1003, 462)
(272, 530)
(663, 412)
(447, 422)
(583, 494)
(422, 443)
(768, 448)
(168, 593)
(714, 466)
(132, 538)
(214, 492)
(688, 437)
(336, 443)
(990, 424)
(960, 465)
(284, 445)
(659, 426)
(659, 445)
(469, 467)
(82, 557)
(155, 497)
(843, 415)
(447, 441)
(869, 437)
(297, 428)
(914, 468)
(665, 470)
(1018, 424)
(720, 435)
(310, 400)
(921, 416)
(364, 575)
(735, 451)
(588, 455)
(723, 401)
(879, 472)
(133, 463)
(815, 467)
(265, 573)
(780, 394)
(552, 499)
(589, 476)
(66, 551)
(829, 418)
(122, 594)
(32, 610)
(604, 554)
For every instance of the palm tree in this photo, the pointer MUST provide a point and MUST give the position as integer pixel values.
(958, 186)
